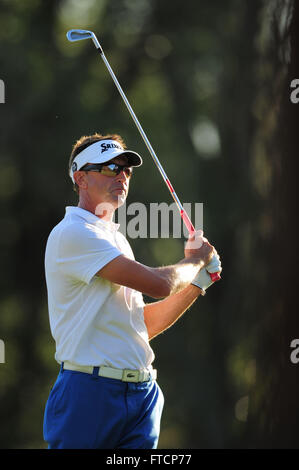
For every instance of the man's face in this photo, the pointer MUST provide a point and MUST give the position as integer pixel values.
(107, 189)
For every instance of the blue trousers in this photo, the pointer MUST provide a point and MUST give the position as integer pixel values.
(86, 411)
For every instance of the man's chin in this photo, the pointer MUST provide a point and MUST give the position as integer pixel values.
(118, 199)
(121, 199)
(104, 208)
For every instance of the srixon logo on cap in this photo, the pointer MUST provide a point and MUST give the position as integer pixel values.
(110, 146)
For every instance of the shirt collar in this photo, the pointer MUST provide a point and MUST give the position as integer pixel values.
(91, 218)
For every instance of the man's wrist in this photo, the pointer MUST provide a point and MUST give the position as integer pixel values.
(199, 263)
(200, 290)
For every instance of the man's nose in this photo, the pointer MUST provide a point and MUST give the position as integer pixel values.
(121, 176)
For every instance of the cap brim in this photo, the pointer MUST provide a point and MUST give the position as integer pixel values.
(134, 158)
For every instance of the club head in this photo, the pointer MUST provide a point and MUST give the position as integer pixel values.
(74, 35)
(78, 34)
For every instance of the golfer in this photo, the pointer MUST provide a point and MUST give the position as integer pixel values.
(106, 395)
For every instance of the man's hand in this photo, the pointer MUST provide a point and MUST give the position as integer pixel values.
(199, 249)
(203, 279)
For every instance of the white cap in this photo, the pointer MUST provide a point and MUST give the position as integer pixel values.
(103, 151)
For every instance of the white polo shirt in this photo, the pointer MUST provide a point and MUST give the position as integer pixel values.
(93, 321)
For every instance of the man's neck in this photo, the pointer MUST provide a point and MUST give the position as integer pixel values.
(104, 211)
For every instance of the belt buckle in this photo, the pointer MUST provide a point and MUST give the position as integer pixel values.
(130, 375)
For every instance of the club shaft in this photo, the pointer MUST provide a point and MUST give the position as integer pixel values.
(186, 220)
(183, 213)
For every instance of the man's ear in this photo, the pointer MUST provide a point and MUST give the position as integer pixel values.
(81, 179)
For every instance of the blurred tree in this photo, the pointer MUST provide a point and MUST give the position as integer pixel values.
(274, 412)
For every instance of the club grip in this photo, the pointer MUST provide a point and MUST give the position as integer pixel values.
(215, 277)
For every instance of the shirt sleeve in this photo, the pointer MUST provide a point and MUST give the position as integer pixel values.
(84, 250)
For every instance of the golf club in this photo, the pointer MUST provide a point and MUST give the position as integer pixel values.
(78, 35)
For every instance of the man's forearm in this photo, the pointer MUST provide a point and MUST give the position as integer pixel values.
(160, 315)
(180, 275)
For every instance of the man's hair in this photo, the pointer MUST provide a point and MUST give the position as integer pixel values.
(87, 140)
